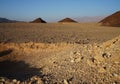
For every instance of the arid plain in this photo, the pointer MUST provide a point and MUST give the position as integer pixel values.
(59, 53)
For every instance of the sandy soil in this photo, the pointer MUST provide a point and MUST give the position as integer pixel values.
(94, 59)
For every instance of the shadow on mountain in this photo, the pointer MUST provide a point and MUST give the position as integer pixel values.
(5, 52)
(18, 70)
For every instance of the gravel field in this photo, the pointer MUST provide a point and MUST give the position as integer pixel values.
(56, 32)
(59, 53)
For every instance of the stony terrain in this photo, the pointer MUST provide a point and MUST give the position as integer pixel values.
(56, 32)
(92, 57)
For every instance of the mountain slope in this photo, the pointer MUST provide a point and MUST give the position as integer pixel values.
(112, 20)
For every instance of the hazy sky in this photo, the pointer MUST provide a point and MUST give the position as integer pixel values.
(51, 10)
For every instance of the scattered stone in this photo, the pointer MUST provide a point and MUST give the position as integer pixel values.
(39, 82)
(106, 55)
(72, 61)
(34, 82)
(14, 80)
(82, 58)
(18, 82)
(91, 68)
(76, 53)
(65, 81)
(114, 83)
(2, 82)
(101, 70)
(115, 75)
(105, 68)
(2, 79)
(34, 78)
(116, 62)
(93, 60)
(90, 63)
(78, 59)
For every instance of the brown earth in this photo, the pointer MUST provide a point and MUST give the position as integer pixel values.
(60, 62)
(112, 20)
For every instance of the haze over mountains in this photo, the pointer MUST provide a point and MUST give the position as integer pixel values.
(78, 19)
(89, 18)
(5, 20)
(111, 19)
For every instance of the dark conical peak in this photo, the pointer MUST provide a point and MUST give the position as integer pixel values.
(68, 20)
(112, 20)
(38, 20)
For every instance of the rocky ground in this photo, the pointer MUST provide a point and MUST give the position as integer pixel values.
(81, 33)
(61, 62)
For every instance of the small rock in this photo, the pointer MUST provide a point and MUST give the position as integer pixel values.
(46, 82)
(33, 78)
(2, 82)
(72, 61)
(114, 74)
(105, 68)
(2, 79)
(34, 82)
(65, 81)
(77, 60)
(115, 82)
(106, 55)
(116, 62)
(14, 80)
(18, 82)
(101, 70)
(82, 58)
(93, 60)
(39, 82)
(74, 52)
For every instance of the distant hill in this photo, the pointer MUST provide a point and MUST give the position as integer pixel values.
(112, 20)
(68, 20)
(4, 20)
(38, 20)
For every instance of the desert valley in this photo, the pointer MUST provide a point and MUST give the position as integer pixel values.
(65, 52)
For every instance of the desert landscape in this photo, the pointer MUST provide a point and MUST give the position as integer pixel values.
(59, 42)
(59, 53)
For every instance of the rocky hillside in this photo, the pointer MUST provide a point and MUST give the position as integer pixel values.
(112, 20)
